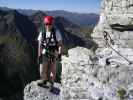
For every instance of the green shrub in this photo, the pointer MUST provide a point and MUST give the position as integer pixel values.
(121, 92)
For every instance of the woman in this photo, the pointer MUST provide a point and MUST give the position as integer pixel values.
(50, 48)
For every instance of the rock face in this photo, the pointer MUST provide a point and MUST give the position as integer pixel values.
(107, 75)
(75, 74)
(88, 77)
(116, 19)
(113, 34)
(114, 31)
(33, 92)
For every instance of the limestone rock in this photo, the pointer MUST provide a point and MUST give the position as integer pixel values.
(33, 92)
(94, 81)
(113, 34)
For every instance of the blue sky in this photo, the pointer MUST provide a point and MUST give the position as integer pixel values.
(82, 6)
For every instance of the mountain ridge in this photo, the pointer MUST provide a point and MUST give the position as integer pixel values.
(82, 19)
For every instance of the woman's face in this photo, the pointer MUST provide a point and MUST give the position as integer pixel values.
(48, 26)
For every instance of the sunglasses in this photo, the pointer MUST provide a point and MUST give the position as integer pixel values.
(47, 24)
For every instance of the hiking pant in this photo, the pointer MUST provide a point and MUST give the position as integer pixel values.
(48, 68)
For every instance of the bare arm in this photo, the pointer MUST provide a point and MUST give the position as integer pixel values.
(60, 47)
(39, 44)
(39, 49)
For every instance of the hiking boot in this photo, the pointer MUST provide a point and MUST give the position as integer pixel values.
(43, 83)
(49, 84)
(55, 89)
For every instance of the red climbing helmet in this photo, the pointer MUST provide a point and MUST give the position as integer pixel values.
(48, 20)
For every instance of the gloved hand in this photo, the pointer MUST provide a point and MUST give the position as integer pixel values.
(40, 59)
(59, 57)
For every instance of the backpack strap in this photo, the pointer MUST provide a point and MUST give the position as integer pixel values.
(48, 41)
(43, 39)
(54, 34)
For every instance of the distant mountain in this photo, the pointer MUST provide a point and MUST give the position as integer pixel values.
(14, 22)
(17, 54)
(37, 18)
(27, 12)
(5, 8)
(82, 19)
(65, 22)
